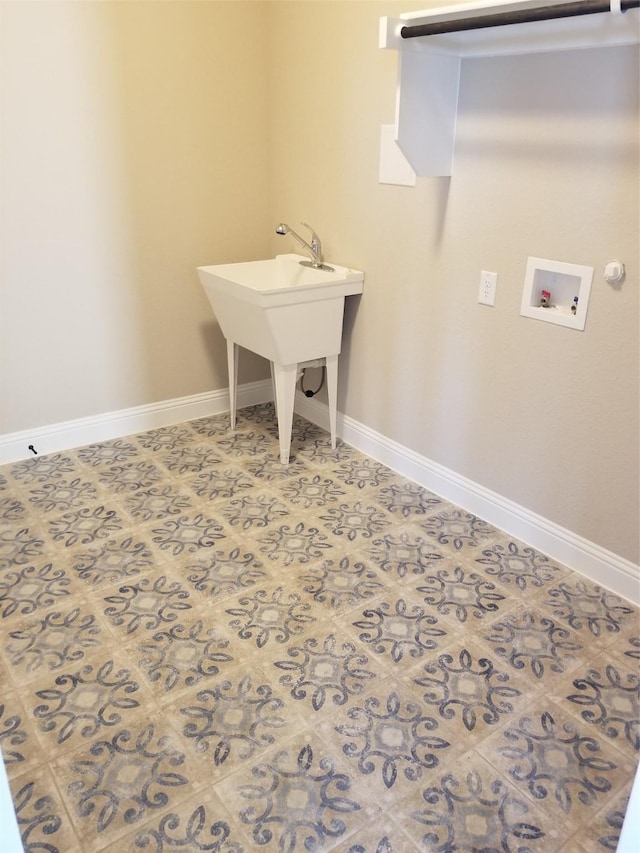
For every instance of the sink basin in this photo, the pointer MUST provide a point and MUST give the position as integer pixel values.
(256, 281)
(286, 313)
(281, 310)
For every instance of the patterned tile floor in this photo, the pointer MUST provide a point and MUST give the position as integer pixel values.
(205, 650)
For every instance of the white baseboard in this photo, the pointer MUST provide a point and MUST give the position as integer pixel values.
(63, 436)
(596, 563)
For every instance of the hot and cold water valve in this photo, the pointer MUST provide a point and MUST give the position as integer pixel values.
(558, 292)
(545, 301)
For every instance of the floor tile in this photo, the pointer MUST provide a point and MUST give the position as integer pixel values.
(457, 528)
(311, 490)
(363, 474)
(165, 438)
(389, 738)
(213, 426)
(606, 695)
(268, 469)
(85, 703)
(219, 482)
(266, 615)
(188, 533)
(319, 451)
(384, 835)
(234, 720)
(403, 553)
(468, 691)
(539, 647)
(116, 560)
(157, 503)
(129, 478)
(52, 498)
(559, 763)
(187, 654)
(600, 616)
(297, 797)
(519, 567)
(144, 605)
(190, 459)
(204, 649)
(32, 587)
(398, 632)
(20, 545)
(356, 521)
(408, 501)
(472, 807)
(461, 596)
(341, 582)
(245, 445)
(43, 820)
(221, 571)
(51, 640)
(51, 468)
(104, 454)
(602, 831)
(197, 824)
(627, 649)
(255, 510)
(86, 526)
(324, 672)
(120, 781)
(14, 514)
(294, 543)
(18, 739)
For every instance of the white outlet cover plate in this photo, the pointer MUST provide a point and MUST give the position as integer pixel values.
(488, 285)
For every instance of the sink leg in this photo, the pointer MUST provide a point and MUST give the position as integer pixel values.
(332, 393)
(273, 385)
(285, 380)
(232, 365)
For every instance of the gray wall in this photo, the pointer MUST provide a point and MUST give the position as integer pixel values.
(546, 164)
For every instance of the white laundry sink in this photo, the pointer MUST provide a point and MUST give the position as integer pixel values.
(283, 311)
(287, 313)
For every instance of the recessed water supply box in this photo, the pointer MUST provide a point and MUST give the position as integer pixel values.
(556, 292)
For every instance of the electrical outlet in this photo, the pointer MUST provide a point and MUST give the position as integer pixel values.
(488, 284)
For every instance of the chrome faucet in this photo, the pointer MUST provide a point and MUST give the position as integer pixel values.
(314, 249)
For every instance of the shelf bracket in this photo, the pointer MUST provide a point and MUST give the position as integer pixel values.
(429, 68)
(427, 107)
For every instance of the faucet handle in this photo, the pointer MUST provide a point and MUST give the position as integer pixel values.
(315, 242)
(314, 236)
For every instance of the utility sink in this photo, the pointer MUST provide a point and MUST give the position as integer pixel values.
(287, 313)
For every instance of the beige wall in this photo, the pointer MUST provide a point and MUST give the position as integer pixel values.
(142, 139)
(133, 149)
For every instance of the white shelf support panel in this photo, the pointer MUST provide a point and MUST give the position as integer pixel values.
(429, 66)
(426, 110)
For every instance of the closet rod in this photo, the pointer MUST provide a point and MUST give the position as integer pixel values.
(501, 19)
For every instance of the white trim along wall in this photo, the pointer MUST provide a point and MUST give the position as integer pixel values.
(594, 562)
(63, 436)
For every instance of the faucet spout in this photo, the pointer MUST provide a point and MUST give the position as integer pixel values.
(313, 249)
